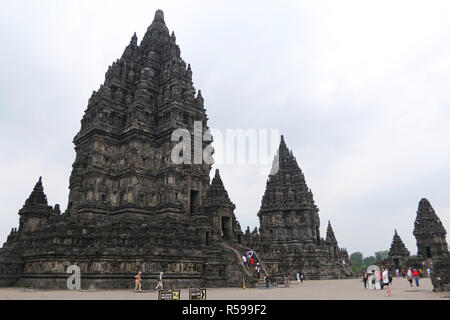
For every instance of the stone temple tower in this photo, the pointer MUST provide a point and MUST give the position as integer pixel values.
(289, 239)
(288, 213)
(398, 248)
(398, 254)
(432, 247)
(123, 150)
(429, 232)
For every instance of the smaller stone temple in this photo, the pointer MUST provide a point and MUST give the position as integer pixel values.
(289, 237)
(221, 209)
(432, 246)
(432, 249)
(429, 232)
(398, 254)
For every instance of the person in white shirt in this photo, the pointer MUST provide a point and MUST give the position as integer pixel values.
(385, 279)
(244, 260)
(372, 280)
(160, 282)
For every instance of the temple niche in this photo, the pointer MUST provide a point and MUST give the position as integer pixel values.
(131, 208)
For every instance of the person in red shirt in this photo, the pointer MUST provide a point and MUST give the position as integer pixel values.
(251, 262)
(416, 276)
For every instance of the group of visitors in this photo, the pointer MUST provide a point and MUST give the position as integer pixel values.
(284, 281)
(138, 282)
(404, 274)
(249, 260)
(299, 277)
(377, 280)
(413, 274)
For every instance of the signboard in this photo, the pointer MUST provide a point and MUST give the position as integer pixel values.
(197, 294)
(169, 295)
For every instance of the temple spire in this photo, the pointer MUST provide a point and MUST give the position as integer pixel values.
(37, 196)
(157, 33)
(134, 39)
(288, 194)
(159, 16)
(330, 234)
(217, 194)
(398, 248)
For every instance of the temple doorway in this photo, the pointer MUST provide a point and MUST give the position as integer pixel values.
(397, 263)
(226, 228)
(194, 201)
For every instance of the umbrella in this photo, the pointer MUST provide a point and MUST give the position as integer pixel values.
(372, 267)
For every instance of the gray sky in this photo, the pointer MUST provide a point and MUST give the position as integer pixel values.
(360, 89)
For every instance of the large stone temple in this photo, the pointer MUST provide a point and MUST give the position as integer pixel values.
(131, 208)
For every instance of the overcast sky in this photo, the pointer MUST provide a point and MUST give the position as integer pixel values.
(360, 89)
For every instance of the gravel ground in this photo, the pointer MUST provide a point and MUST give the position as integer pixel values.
(317, 290)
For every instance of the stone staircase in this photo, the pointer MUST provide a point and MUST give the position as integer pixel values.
(251, 280)
(251, 277)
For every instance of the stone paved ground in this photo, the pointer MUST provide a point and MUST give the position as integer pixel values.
(326, 289)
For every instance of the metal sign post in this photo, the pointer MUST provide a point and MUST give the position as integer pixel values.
(197, 294)
(169, 295)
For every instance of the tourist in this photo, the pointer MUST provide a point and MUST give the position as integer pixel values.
(258, 270)
(364, 278)
(410, 277)
(372, 280)
(397, 273)
(160, 282)
(415, 274)
(298, 277)
(286, 281)
(403, 273)
(266, 279)
(301, 277)
(252, 261)
(244, 260)
(137, 282)
(420, 272)
(385, 281)
(380, 280)
(429, 272)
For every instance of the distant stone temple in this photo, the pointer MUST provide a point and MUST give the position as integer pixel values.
(398, 254)
(131, 208)
(432, 249)
(432, 246)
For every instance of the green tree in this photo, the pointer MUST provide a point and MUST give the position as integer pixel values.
(381, 255)
(367, 261)
(356, 258)
(357, 269)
